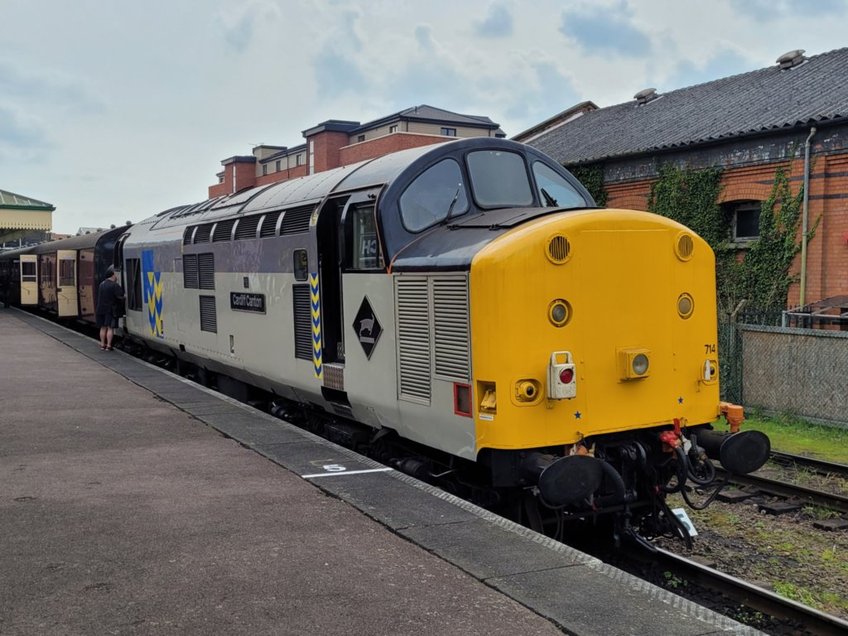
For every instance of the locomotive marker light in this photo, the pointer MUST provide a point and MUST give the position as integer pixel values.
(562, 381)
(685, 305)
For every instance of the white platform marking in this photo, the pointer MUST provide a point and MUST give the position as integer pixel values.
(337, 473)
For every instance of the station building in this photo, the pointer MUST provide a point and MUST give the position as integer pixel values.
(750, 125)
(336, 142)
(23, 220)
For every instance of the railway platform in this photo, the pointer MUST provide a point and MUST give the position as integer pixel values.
(134, 501)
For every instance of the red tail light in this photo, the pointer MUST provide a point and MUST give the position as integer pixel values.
(566, 376)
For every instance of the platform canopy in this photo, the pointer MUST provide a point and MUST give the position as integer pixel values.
(21, 215)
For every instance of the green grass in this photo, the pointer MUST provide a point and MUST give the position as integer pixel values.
(792, 435)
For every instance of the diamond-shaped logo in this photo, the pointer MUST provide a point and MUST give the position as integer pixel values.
(367, 327)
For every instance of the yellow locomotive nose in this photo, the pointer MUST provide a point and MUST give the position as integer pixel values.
(611, 296)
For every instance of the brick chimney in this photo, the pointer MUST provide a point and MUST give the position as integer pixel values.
(324, 141)
(239, 173)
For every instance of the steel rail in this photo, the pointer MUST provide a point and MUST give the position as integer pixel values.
(758, 598)
(831, 501)
(818, 465)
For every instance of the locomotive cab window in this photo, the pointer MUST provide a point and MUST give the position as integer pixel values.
(499, 179)
(434, 195)
(300, 264)
(365, 253)
(554, 191)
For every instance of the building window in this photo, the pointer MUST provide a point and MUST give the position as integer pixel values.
(745, 219)
(360, 138)
(449, 132)
(393, 129)
(220, 178)
(264, 169)
(298, 160)
(277, 165)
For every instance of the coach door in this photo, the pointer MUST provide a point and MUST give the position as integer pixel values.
(67, 304)
(29, 279)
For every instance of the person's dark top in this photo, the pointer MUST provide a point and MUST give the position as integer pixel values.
(107, 294)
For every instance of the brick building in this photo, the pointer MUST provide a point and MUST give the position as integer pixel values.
(750, 125)
(335, 143)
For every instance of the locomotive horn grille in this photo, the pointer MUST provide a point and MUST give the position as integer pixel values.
(559, 249)
(684, 247)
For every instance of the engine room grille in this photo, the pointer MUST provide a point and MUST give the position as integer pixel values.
(191, 278)
(201, 234)
(302, 322)
(189, 232)
(450, 326)
(269, 225)
(296, 220)
(246, 228)
(223, 230)
(413, 336)
(208, 317)
(206, 268)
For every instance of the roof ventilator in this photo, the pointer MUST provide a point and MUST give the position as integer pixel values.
(791, 59)
(645, 96)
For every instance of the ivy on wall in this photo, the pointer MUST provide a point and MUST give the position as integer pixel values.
(762, 277)
(592, 177)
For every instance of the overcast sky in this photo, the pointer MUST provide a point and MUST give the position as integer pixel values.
(113, 110)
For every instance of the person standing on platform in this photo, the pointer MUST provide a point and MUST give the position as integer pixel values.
(109, 294)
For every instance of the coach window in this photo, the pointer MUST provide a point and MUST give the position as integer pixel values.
(365, 254)
(28, 271)
(433, 196)
(499, 179)
(554, 190)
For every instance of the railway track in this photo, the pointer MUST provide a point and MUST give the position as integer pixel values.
(817, 465)
(767, 485)
(798, 618)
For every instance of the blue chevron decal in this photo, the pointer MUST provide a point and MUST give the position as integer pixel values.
(315, 298)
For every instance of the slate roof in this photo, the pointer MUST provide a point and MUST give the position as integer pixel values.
(427, 113)
(19, 202)
(769, 99)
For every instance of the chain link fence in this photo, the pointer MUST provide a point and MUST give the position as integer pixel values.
(803, 372)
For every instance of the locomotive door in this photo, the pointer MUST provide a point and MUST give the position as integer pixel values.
(336, 254)
(29, 279)
(66, 289)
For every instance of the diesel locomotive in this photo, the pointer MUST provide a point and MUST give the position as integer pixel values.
(467, 305)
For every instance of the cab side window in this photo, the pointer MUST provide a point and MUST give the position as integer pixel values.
(365, 253)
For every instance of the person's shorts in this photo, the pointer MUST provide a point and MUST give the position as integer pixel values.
(105, 319)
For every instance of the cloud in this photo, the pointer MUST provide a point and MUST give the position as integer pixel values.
(723, 64)
(46, 88)
(22, 139)
(239, 24)
(336, 74)
(551, 93)
(771, 10)
(424, 37)
(605, 30)
(498, 24)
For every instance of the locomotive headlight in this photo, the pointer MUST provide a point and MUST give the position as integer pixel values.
(559, 312)
(685, 305)
(640, 364)
(634, 363)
